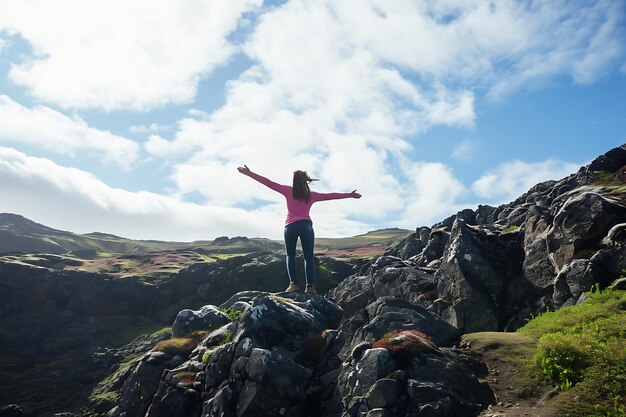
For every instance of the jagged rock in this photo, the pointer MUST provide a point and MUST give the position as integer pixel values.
(434, 248)
(275, 386)
(273, 320)
(359, 350)
(383, 394)
(480, 281)
(444, 384)
(207, 317)
(388, 260)
(389, 314)
(581, 224)
(409, 247)
(140, 387)
(174, 398)
(445, 225)
(574, 279)
(374, 365)
(608, 264)
(616, 236)
(537, 267)
(610, 161)
(353, 294)
(484, 214)
(468, 216)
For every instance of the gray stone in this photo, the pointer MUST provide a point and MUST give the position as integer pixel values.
(375, 364)
(383, 394)
(359, 350)
(581, 223)
(206, 318)
(480, 279)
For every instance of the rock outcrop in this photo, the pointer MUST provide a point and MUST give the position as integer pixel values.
(290, 354)
(383, 341)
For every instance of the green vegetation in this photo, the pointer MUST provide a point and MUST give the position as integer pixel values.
(216, 256)
(186, 377)
(230, 313)
(611, 180)
(509, 230)
(228, 337)
(583, 349)
(182, 346)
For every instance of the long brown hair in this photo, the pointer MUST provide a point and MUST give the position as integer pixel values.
(300, 189)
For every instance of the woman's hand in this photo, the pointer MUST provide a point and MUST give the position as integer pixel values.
(244, 170)
(354, 194)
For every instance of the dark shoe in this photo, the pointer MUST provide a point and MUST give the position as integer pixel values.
(310, 289)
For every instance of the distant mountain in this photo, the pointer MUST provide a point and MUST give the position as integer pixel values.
(19, 234)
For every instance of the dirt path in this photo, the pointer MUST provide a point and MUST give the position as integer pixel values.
(504, 379)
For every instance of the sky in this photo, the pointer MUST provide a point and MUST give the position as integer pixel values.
(131, 118)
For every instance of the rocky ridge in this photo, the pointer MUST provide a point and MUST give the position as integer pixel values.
(384, 341)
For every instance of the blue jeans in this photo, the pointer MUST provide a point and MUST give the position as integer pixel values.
(304, 230)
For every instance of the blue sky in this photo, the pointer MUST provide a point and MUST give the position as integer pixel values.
(132, 118)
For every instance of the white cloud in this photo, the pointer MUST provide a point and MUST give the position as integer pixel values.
(336, 87)
(153, 127)
(342, 103)
(432, 193)
(119, 54)
(75, 200)
(46, 128)
(464, 150)
(511, 179)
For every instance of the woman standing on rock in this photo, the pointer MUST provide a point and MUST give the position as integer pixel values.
(298, 224)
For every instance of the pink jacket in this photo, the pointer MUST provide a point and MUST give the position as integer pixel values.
(296, 209)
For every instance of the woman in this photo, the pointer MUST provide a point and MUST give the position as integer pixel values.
(298, 224)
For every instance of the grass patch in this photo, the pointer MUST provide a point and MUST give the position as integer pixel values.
(512, 347)
(611, 180)
(509, 230)
(583, 350)
(230, 313)
(181, 346)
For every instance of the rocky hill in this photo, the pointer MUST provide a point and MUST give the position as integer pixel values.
(385, 341)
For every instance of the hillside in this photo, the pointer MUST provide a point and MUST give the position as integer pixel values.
(450, 321)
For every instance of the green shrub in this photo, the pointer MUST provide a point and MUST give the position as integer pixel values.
(583, 348)
(562, 358)
(230, 313)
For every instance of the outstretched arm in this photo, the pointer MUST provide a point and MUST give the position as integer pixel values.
(267, 182)
(334, 196)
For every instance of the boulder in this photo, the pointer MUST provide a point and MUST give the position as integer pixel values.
(275, 386)
(446, 383)
(537, 267)
(410, 246)
(434, 248)
(480, 282)
(206, 318)
(140, 387)
(574, 279)
(610, 161)
(581, 223)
